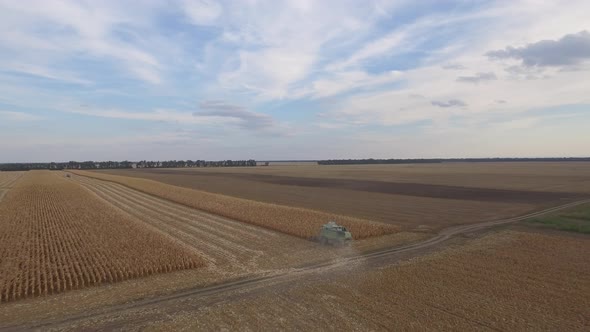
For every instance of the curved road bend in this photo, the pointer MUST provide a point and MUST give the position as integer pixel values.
(242, 284)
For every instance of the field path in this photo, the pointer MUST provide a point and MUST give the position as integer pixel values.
(7, 180)
(231, 248)
(126, 315)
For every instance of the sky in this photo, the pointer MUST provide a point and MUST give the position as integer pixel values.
(293, 80)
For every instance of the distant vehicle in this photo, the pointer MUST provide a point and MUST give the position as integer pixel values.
(334, 234)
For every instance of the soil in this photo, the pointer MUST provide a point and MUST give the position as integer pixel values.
(415, 206)
(401, 188)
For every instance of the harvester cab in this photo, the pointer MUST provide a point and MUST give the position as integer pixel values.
(332, 233)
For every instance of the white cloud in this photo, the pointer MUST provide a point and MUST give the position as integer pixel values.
(316, 64)
(60, 31)
(18, 116)
(405, 38)
(44, 72)
(386, 44)
(202, 12)
(270, 72)
(280, 44)
(159, 115)
(341, 82)
(549, 88)
(210, 114)
(439, 88)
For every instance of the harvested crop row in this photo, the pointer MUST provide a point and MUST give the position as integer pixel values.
(230, 247)
(299, 222)
(7, 179)
(55, 236)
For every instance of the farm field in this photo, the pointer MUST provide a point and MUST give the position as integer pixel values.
(572, 220)
(229, 249)
(529, 176)
(7, 180)
(55, 236)
(504, 281)
(465, 282)
(303, 223)
(471, 285)
(426, 197)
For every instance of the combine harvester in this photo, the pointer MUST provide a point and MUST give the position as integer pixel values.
(334, 234)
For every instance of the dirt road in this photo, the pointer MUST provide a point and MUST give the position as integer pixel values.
(126, 315)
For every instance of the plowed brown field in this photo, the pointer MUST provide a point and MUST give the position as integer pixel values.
(529, 176)
(55, 236)
(424, 197)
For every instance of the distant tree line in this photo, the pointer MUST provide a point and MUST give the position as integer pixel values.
(125, 164)
(195, 163)
(438, 160)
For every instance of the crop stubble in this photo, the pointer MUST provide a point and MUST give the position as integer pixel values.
(229, 246)
(7, 180)
(303, 223)
(55, 236)
(504, 281)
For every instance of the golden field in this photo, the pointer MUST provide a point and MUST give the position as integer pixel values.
(56, 236)
(508, 281)
(7, 180)
(512, 278)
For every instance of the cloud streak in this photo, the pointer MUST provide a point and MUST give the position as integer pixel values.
(477, 78)
(70, 30)
(449, 103)
(246, 119)
(18, 116)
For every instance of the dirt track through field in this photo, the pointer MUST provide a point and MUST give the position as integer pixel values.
(124, 315)
(230, 247)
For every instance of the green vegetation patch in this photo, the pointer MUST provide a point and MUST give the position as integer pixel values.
(572, 220)
(583, 215)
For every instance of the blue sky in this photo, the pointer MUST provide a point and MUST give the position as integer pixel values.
(90, 80)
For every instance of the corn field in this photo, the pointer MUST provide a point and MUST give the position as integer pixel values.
(303, 223)
(56, 236)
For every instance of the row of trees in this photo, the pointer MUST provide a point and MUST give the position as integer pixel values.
(195, 163)
(126, 164)
(437, 160)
